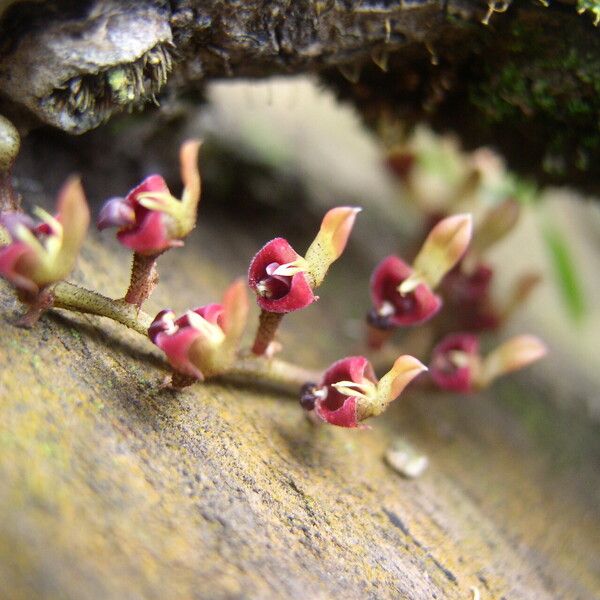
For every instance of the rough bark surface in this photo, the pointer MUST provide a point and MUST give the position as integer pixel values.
(527, 80)
(115, 488)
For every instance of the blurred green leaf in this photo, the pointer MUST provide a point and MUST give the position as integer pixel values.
(565, 271)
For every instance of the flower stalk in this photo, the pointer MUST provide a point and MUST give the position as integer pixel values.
(268, 323)
(73, 297)
(246, 369)
(144, 278)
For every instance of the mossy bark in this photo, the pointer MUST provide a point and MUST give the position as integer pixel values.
(526, 81)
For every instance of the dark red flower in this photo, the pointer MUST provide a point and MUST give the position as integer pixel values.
(468, 297)
(278, 276)
(393, 309)
(455, 362)
(144, 230)
(149, 218)
(336, 407)
(203, 342)
(349, 391)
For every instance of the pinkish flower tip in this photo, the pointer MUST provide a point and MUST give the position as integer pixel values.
(330, 242)
(513, 355)
(445, 245)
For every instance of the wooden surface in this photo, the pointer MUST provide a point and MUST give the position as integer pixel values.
(115, 488)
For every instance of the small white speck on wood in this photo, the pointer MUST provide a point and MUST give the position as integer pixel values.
(405, 459)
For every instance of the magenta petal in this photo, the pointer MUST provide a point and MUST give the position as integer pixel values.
(276, 251)
(386, 277)
(160, 324)
(14, 265)
(339, 409)
(299, 296)
(177, 347)
(345, 416)
(428, 305)
(300, 293)
(472, 287)
(116, 212)
(351, 368)
(444, 373)
(410, 309)
(213, 313)
(148, 237)
(152, 183)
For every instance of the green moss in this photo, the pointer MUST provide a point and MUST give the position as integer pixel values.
(546, 81)
(591, 6)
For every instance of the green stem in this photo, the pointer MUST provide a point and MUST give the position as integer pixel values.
(73, 297)
(247, 369)
(256, 369)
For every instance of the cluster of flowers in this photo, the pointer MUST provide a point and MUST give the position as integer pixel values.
(205, 342)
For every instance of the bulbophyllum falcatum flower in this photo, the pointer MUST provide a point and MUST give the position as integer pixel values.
(457, 364)
(349, 391)
(467, 288)
(403, 295)
(39, 254)
(204, 342)
(468, 298)
(149, 219)
(284, 281)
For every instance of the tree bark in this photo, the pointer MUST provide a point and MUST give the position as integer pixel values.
(115, 487)
(528, 80)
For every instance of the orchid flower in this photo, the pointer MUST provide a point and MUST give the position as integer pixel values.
(349, 391)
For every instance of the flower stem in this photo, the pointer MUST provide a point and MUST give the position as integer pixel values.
(246, 369)
(267, 328)
(38, 304)
(271, 371)
(144, 278)
(73, 297)
(377, 338)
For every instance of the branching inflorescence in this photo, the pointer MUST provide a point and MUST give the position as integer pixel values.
(203, 343)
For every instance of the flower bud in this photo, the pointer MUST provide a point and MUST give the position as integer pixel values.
(149, 219)
(496, 224)
(203, 343)
(39, 255)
